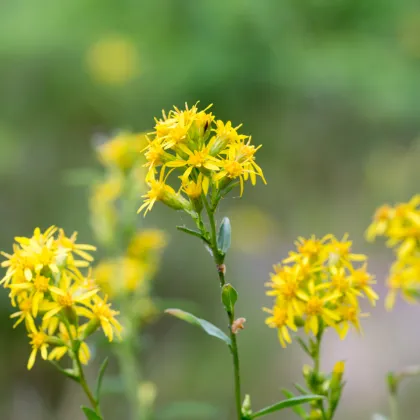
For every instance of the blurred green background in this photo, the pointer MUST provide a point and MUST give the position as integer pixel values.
(331, 88)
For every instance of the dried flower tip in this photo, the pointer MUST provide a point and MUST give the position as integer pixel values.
(238, 324)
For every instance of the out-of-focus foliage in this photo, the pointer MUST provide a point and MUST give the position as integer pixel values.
(331, 88)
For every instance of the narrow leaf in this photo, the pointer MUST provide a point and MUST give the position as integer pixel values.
(90, 414)
(301, 389)
(298, 409)
(70, 373)
(192, 232)
(209, 328)
(101, 374)
(229, 297)
(224, 238)
(291, 402)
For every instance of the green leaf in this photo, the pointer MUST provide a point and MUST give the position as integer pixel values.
(229, 297)
(224, 238)
(291, 402)
(90, 414)
(297, 408)
(70, 373)
(209, 328)
(101, 374)
(192, 232)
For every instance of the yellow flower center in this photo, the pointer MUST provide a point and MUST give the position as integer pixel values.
(383, 213)
(38, 339)
(289, 290)
(314, 306)
(102, 310)
(198, 158)
(25, 305)
(65, 301)
(233, 169)
(340, 282)
(280, 317)
(41, 283)
(310, 248)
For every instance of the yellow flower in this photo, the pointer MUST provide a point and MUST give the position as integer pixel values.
(183, 140)
(145, 242)
(60, 351)
(39, 342)
(101, 311)
(282, 319)
(160, 191)
(316, 308)
(122, 151)
(68, 296)
(319, 285)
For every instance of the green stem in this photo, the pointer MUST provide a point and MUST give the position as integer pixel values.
(81, 378)
(393, 406)
(130, 372)
(219, 261)
(316, 356)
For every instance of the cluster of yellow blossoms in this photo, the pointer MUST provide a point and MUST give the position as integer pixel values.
(319, 286)
(124, 176)
(401, 226)
(131, 272)
(58, 305)
(212, 154)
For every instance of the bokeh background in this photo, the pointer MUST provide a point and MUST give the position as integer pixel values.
(332, 91)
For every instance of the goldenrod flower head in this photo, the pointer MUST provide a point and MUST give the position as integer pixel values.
(122, 151)
(46, 284)
(318, 286)
(400, 225)
(212, 156)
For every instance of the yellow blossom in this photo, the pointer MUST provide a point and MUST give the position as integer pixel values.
(320, 286)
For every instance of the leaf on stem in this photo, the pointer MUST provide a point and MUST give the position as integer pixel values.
(90, 414)
(70, 373)
(192, 232)
(101, 374)
(291, 402)
(298, 409)
(224, 237)
(229, 297)
(208, 327)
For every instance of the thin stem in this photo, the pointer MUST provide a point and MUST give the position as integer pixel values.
(81, 378)
(130, 370)
(316, 356)
(393, 406)
(219, 258)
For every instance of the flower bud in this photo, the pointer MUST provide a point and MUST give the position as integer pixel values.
(246, 406)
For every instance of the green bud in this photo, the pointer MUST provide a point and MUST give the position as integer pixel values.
(246, 406)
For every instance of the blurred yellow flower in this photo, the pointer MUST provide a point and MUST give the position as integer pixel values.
(400, 225)
(122, 151)
(113, 60)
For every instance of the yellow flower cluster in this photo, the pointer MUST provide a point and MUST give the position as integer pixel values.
(132, 272)
(55, 301)
(319, 286)
(122, 159)
(401, 226)
(211, 154)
